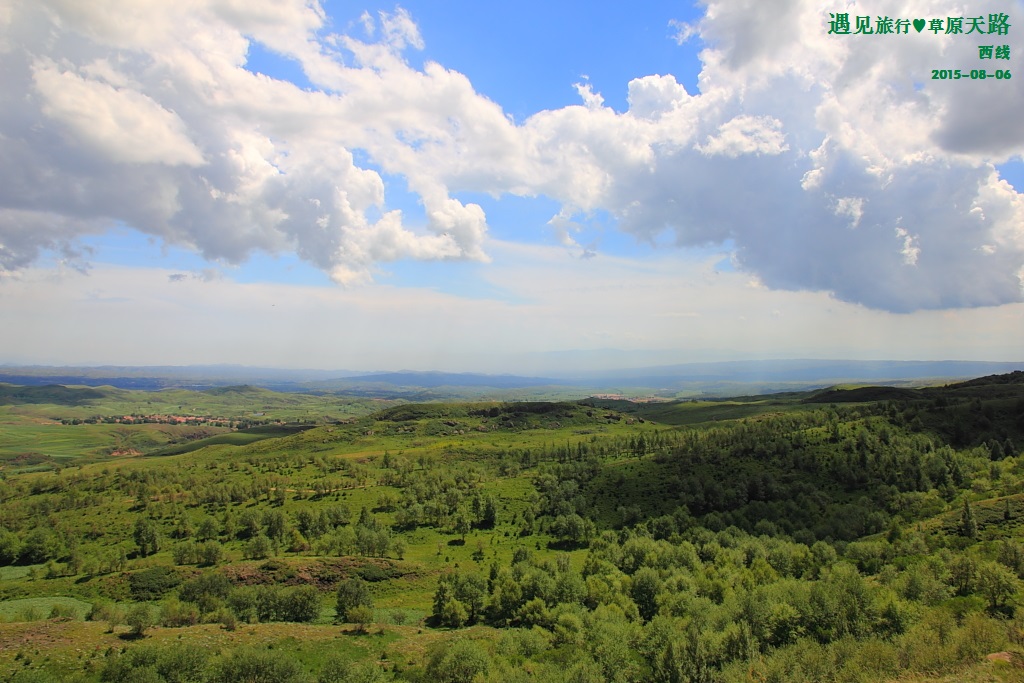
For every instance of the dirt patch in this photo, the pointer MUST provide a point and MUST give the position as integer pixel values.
(35, 634)
(1012, 658)
(323, 573)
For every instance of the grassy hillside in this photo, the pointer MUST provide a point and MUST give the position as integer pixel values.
(860, 535)
(50, 426)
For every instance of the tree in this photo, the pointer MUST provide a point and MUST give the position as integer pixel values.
(573, 529)
(300, 604)
(968, 527)
(351, 593)
(646, 584)
(258, 548)
(40, 545)
(207, 530)
(462, 524)
(460, 662)
(209, 553)
(488, 513)
(139, 618)
(963, 573)
(996, 584)
(145, 536)
(10, 547)
(448, 611)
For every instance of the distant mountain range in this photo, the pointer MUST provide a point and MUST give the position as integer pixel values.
(712, 378)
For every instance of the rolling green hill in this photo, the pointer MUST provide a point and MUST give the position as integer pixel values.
(855, 534)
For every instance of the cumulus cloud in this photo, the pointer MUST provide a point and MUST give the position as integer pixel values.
(833, 163)
(141, 113)
(120, 124)
(746, 135)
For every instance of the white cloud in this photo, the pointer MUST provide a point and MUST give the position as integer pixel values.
(140, 112)
(652, 97)
(850, 206)
(121, 124)
(548, 300)
(746, 135)
(400, 30)
(682, 31)
(910, 250)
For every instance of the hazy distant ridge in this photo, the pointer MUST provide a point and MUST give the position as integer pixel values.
(664, 377)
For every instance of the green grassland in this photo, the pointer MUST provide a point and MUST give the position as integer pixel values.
(848, 535)
(35, 432)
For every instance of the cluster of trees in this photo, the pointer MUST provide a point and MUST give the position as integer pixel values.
(834, 474)
(211, 597)
(709, 606)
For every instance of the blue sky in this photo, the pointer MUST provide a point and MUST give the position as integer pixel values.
(471, 186)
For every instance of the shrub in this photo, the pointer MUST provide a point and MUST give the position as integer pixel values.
(373, 573)
(337, 670)
(182, 663)
(243, 603)
(152, 584)
(361, 616)
(458, 662)
(139, 618)
(351, 593)
(32, 676)
(209, 553)
(206, 590)
(136, 664)
(247, 665)
(59, 611)
(300, 604)
(227, 619)
(175, 613)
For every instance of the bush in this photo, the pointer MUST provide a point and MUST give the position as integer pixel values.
(182, 663)
(361, 616)
(63, 612)
(175, 613)
(152, 584)
(139, 618)
(247, 665)
(206, 590)
(108, 612)
(243, 603)
(32, 676)
(458, 662)
(227, 619)
(300, 604)
(351, 593)
(337, 670)
(209, 553)
(136, 664)
(268, 603)
(373, 573)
